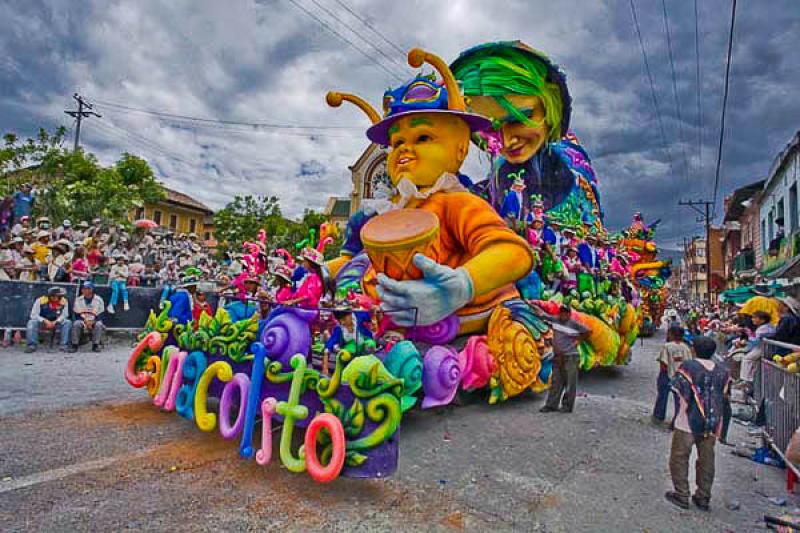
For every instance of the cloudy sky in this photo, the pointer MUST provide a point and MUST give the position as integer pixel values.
(271, 62)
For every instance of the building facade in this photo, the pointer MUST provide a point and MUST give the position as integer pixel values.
(779, 217)
(368, 176)
(180, 213)
(741, 238)
(694, 270)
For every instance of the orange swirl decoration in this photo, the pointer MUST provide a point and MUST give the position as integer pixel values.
(515, 352)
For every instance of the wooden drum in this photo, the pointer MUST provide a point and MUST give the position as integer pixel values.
(392, 239)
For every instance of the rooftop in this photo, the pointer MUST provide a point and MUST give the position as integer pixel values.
(184, 200)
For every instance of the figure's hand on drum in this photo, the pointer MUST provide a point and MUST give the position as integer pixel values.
(441, 291)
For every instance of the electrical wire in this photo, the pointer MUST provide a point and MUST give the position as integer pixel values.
(675, 90)
(345, 39)
(256, 125)
(699, 94)
(366, 23)
(338, 19)
(724, 105)
(652, 86)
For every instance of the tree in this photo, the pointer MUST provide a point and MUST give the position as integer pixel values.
(241, 220)
(73, 184)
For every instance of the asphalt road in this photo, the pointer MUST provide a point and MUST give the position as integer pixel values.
(81, 450)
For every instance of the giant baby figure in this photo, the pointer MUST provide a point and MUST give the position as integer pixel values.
(470, 268)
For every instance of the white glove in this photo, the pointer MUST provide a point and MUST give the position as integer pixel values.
(440, 293)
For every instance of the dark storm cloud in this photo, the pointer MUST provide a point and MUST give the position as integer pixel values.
(269, 62)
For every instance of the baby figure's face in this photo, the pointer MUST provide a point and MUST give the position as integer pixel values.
(426, 145)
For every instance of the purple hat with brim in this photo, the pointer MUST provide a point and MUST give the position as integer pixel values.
(420, 95)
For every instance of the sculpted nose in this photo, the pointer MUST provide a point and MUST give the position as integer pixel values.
(509, 136)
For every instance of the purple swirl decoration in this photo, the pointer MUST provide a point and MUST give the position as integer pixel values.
(437, 334)
(441, 374)
(288, 333)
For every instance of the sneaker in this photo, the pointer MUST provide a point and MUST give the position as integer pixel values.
(72, 349)
(700, 504)
(126, 307)
(674, 499)
(96, 348)
(63, 348)
(547, 409)
(110, 309)
(30, 348)
(565, 409)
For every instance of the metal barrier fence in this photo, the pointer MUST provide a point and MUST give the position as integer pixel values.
(17, 297)
(779, 389)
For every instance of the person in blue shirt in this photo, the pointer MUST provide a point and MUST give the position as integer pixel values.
(182, 301)
(23, 202)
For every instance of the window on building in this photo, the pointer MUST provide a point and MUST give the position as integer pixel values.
(157, 217)
(792, 222)
(173, 222)
(780, 218)
(139, 213)
(771, 224)
(207, 236)
(192, 225)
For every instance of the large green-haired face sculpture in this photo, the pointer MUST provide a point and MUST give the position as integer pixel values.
(520, 90)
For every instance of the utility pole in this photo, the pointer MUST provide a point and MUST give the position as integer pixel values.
(80, 114)
(705, 217)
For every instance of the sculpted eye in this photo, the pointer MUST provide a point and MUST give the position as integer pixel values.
(397, 143)
(424, 138)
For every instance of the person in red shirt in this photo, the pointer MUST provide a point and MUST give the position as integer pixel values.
(94, 256)
(200, 304)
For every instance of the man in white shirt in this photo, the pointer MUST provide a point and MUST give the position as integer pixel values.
(88, 310)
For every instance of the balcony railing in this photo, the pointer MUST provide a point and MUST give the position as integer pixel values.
(745, 260)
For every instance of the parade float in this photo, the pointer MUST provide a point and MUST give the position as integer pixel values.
(445, 287)
(649, 274)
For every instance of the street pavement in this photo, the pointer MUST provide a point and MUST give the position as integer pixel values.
(82, 451)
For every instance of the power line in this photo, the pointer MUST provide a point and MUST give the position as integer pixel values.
(699, 93)
(675, 89)
(724, 104)
(366, 23)
(79, 115)
(258, 125)
(652, 85)
(345, 39)
(338, 19)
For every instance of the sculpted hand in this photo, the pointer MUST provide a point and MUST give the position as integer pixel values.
(440, 292)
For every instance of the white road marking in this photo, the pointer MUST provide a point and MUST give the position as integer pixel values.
(66, 471)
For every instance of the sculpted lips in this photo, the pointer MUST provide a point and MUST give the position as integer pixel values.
(404, 160)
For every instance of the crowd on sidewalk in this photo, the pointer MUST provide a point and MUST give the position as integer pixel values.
(709, 358)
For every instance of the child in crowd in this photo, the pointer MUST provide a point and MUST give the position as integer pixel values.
(136, 271)
(312, 289)
(119, 279)
(168, 276)
(200, 305)
(100, 273)
(80, 266)
(672, 354)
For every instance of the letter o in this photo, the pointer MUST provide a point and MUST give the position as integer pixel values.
(320, 473)
(241, 382)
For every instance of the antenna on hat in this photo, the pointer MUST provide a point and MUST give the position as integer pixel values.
(418, 56)
(335, 99)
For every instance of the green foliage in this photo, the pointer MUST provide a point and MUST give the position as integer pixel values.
(73, 184)
(241, 220)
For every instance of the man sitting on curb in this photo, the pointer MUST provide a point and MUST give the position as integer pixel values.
(87, 309)
(52, 313)
(701, 386)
